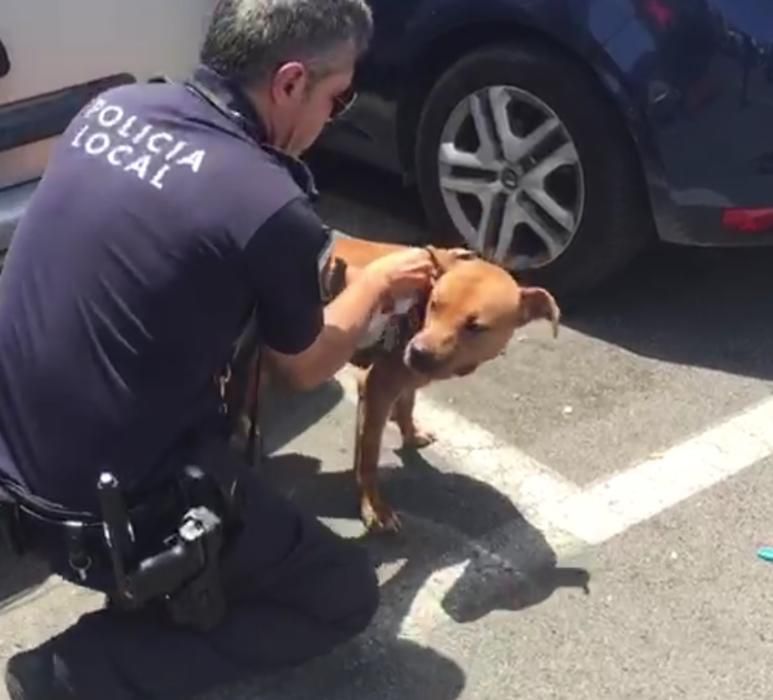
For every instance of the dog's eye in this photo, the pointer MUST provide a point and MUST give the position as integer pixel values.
(474, 326)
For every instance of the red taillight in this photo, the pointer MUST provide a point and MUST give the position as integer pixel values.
(748, 220)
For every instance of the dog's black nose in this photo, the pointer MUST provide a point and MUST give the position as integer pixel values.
(421, 359)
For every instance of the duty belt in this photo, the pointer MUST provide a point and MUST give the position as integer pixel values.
(30, 524)
(178, 566)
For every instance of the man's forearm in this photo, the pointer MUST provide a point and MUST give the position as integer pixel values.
(346, 319)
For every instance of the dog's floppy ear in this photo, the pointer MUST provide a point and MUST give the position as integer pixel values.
(445, 258)
(538, 303)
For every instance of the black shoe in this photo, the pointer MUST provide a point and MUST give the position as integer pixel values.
(30, 676)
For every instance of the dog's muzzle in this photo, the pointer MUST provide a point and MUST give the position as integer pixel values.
(420, 359)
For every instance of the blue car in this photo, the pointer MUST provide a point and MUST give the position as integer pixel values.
(559, 137)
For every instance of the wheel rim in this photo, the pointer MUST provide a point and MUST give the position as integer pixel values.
(511, 178)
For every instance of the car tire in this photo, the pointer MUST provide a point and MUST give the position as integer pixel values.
(615, 221)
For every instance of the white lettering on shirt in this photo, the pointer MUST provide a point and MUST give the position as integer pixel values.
(194, 160)
(97, 144)
(143, 133)
(77, 141)
(158, 178)
(124, 130)
(153, 146)
(135, 146)
(112, 157)
(139, 166)
(94, 107)
(110, 116)
(176, 150)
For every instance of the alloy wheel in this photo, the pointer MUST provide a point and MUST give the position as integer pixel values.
(511, 177)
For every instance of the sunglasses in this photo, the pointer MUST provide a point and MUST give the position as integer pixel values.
(342, 103)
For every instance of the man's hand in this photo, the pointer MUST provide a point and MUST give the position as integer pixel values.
(403, 272)
(347, 316)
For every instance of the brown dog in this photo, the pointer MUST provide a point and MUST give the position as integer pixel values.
(468, 318)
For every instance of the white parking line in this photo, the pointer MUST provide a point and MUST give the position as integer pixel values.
(611, 506)
(473, 450)
(567, 515)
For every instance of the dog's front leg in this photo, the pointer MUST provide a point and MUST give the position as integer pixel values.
(378, 391)
(402, 414)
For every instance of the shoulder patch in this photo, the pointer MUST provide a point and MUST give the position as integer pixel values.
(331, 270)
(324, 265)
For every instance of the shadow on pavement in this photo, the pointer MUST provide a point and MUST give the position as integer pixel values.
(706, 308)
(19, 577)
(284, 414)
(435, 506)
(358, 670)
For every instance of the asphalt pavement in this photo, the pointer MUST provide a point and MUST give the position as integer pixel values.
(586, 525)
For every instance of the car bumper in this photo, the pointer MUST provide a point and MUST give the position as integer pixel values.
(711, 226)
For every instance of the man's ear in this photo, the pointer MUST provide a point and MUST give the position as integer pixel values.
(446, 258)
(289, 81)
(538, 303)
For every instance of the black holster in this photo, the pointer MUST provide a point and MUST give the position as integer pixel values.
(185, 576)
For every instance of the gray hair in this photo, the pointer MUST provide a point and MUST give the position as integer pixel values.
(248, 39)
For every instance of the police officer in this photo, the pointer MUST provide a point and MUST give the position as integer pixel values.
(169, 216)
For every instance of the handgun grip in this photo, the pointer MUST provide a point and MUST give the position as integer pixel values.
(165, 572)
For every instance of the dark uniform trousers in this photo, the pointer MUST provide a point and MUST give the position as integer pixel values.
(295, 589)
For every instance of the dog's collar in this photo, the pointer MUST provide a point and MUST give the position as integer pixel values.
(435, 260)
(392, 328)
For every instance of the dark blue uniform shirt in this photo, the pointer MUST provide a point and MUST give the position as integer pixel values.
(161, 221)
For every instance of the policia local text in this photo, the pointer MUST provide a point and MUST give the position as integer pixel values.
(142, 149)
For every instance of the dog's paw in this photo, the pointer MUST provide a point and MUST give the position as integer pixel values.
(379, 518)
(418, 439)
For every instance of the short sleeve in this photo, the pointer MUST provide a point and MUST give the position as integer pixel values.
(284, 258)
